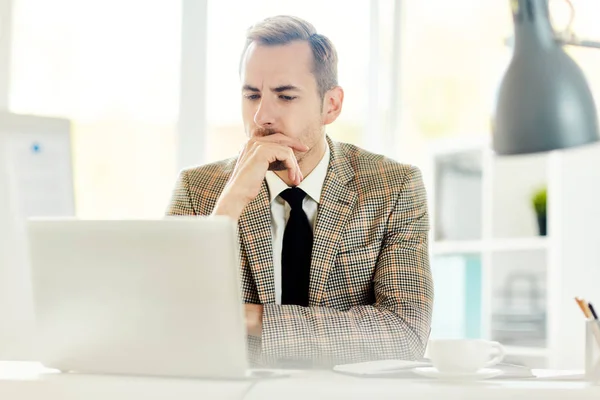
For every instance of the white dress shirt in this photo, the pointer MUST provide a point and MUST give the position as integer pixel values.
(280, 209)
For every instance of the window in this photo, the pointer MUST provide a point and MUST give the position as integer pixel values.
(453, 59)
(112, 68)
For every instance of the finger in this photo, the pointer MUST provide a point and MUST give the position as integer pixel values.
(292, 175)
(296, 169)
(246, 151)
(274, 152)
(246, 148)
(298, 172)
(291, 163)
(243, 155)
(283, 140)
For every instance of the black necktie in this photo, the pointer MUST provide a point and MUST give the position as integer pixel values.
(295, 254)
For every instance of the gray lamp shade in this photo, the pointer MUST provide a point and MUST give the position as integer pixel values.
(544, 102)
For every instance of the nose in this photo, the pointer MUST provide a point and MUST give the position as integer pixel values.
(265, 114)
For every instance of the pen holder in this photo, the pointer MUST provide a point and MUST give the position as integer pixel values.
(592, 351)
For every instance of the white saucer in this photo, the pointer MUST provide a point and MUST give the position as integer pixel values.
(484, 373)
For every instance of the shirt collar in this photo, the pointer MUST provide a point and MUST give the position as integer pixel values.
(312, 184)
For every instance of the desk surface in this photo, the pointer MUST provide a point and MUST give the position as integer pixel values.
(24, 381)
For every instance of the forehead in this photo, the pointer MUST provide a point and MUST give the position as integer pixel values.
(280, 64)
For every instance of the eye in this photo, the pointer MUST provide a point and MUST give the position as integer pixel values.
(252, 96)
(287, 98)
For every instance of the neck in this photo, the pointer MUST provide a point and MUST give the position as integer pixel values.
(308, 163)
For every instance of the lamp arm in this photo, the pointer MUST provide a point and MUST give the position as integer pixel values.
(509, 42)
(579, 43)
(568, 37)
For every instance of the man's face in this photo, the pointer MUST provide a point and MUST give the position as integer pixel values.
(280, 94)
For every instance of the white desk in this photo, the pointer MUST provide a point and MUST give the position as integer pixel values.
(329, 385)
(26, 382)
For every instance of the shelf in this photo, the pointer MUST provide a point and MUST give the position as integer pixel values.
(496, 245)
(457, 247)
(526, 351)
(485, 220)
(532, 243)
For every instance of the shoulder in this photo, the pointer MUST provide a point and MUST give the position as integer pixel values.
(212, 176)
(375, 171)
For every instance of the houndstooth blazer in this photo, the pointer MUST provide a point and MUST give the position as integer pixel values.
(371, 291)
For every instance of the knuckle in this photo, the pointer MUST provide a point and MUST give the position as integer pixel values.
(253, 143)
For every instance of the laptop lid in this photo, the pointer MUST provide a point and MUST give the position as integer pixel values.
(157, 297)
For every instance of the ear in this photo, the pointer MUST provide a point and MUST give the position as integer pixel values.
(332, 104)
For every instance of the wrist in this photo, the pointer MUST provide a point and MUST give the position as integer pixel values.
(230, 204)
(254, 317)
(257, 328)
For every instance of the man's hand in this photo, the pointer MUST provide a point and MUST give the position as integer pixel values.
(254, 313)
(251, 168)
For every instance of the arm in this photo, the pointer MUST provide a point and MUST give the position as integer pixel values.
(395, 326)
(181, 203)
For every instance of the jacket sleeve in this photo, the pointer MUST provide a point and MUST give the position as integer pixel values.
(181, 202)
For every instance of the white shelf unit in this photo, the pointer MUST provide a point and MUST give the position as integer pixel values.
(495, 276)
(479, 246)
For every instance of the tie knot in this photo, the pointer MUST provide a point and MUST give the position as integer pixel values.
(294, 197)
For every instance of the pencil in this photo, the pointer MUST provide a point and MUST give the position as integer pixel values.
(590, 316)
(593, 311)
(584, 307)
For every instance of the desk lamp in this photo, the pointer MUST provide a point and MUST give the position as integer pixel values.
(544, 102)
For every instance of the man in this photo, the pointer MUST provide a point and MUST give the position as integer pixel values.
(333, 239)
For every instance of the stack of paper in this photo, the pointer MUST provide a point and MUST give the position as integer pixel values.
(401, 368)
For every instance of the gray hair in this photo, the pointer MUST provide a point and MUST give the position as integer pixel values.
(284, 29)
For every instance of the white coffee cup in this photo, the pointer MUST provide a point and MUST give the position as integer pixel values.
(464, 355)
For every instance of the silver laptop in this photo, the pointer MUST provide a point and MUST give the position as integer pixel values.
(138, 297)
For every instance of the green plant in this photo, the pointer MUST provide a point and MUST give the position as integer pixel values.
(539, 201)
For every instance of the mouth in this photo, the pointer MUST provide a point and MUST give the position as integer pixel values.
(263, 132)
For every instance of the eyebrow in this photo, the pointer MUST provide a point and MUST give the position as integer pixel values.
(278, 89)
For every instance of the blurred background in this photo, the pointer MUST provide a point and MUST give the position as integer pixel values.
(151, 86)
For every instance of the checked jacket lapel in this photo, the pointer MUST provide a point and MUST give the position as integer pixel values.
(335, 206)
(256, 237)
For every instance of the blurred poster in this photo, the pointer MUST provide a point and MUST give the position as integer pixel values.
(35, 181)
(40, 173)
